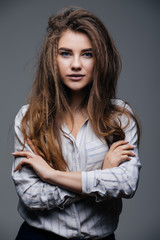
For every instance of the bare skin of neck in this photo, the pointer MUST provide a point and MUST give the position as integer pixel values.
(79, 115)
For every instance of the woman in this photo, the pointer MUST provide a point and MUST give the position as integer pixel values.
(76, 145)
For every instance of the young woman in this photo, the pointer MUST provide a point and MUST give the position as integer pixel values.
(76, 145)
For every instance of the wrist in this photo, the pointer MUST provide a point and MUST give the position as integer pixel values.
(51, 176)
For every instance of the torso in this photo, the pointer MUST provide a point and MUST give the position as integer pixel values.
(79, 119)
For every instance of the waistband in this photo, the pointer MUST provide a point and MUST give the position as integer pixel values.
(28, 232)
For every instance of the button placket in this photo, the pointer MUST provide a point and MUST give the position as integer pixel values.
(76, 156)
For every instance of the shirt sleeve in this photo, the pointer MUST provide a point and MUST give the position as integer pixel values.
(121, 181)
(32, 191)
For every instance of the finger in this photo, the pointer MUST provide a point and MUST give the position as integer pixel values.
(117, 144)
(32, 146)
(126, 147)
(24, 162)
(23, 154)
(129, 153)
(124, 158)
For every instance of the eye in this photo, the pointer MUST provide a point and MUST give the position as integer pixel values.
(88, 54)
(65, 54)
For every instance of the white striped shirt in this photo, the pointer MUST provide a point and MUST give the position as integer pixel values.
(69, 214)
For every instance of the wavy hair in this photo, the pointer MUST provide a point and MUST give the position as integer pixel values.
(49, 98)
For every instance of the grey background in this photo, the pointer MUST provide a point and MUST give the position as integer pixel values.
(134, 28)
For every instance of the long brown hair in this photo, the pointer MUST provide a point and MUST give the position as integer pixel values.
(49, 98)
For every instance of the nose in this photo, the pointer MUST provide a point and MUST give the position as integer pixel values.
(76, 64)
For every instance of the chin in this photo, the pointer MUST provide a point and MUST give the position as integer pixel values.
(76, 88)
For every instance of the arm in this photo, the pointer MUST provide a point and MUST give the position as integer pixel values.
(115, 182)
(121, 181)
(32, 190)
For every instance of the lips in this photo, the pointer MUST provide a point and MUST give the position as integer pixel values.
(75, 77)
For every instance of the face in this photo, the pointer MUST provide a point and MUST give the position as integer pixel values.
(75, 60)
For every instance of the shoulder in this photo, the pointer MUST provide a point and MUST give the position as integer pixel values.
(127, 115)
(21, 113)
(122, 103)
(17, 124)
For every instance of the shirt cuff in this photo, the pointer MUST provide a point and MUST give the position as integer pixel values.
(89, 182)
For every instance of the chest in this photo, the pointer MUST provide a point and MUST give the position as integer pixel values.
(79, 120)
(86, 152)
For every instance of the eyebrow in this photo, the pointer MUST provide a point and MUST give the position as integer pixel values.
(70, 50)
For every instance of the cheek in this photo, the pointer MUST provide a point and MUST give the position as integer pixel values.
(63, 63)
(60, 66)
(90, 66)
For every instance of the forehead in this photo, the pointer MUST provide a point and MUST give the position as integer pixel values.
(70, 39)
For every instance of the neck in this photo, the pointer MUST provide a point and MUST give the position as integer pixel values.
(76, 99)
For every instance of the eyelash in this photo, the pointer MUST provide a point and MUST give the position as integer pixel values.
(64, 54)
(88, 54)
(67, 54)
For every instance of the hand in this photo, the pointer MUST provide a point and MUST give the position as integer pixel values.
(119, 152)
(39, 165)
(67, 180)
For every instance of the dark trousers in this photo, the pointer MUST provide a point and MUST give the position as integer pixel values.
(27, 232)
